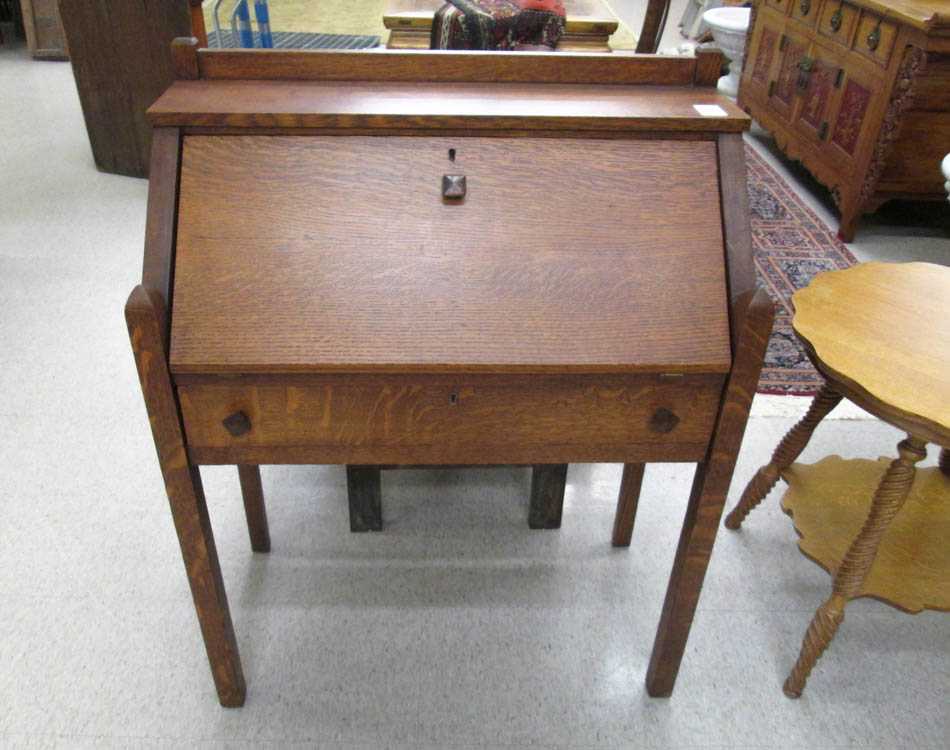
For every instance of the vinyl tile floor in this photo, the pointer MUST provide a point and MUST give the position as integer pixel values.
(455, 627)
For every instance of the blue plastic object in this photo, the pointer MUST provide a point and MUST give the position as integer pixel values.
(262, 14)
(242, 22)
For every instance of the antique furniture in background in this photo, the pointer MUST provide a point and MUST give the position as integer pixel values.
(879, 333)
(44, 29)
(590, 24)
(370, 311)
(121, 61)
(729, 27)
(857, 92)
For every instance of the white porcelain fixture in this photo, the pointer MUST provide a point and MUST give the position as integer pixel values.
(729, 27)
(945, 166)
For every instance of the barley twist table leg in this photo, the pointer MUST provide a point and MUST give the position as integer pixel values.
(888, 499)
(785, 454)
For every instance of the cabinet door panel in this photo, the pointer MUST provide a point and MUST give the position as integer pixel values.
(763, 57)
(786, 85)
(852, 115)
(822, 76)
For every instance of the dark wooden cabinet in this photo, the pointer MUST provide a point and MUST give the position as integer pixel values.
(121, 62)
(859, 92)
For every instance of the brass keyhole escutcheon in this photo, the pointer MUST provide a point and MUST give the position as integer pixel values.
(836, 21)
(874, 38)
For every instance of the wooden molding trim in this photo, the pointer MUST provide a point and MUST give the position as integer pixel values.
(446, 66)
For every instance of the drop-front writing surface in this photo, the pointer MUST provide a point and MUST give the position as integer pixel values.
(340, 253)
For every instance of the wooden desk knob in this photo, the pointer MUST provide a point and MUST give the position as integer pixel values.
(663, 420)
(237, 424)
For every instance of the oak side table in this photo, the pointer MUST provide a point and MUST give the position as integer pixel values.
(879, 333)
(452, 258)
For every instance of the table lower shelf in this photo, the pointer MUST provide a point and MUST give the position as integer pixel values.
(829, 502)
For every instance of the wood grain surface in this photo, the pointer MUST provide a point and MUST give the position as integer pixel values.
(321, 104)
(880, 332)
(447, 66)
(185, 495)
(475, 419)
(708, 495)
(121, 60)
(160, 222)
(310, 254)
(829, 504)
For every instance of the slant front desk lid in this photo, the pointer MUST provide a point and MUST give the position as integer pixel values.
(317, 253)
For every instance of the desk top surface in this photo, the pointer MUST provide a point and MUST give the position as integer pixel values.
(883, 330)
(329, 253)
(394, 105)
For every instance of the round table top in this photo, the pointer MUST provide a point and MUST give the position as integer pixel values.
(880, 333)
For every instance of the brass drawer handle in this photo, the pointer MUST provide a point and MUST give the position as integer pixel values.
(805, 67)
(874, 38)
(663, 420)
(237, 424)
(805, 7)
(836, 21)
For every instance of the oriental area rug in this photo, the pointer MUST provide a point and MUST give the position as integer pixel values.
(791, 245)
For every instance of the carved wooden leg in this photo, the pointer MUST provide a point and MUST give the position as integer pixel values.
(849, 224)
(888, 499)
(186, 497)
(547, 496)
(253, 492)
(710, 487)
(627, 504)
(364, 488)
(789, 449)
(945, 461)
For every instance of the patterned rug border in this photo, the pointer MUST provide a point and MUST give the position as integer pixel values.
(782, 267)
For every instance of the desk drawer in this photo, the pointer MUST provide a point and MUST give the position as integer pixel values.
(451, 419)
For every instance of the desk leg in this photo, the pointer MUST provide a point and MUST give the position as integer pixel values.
(253, 492)
(708, 496)
(364, 492)
(186, 497)
(888, 499)
(548, 482)
(627, 504)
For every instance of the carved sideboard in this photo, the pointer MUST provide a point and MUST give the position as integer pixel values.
(858, 92)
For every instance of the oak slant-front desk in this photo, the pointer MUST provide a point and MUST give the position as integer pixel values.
(446, 258)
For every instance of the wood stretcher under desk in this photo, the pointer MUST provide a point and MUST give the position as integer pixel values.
(310, 295)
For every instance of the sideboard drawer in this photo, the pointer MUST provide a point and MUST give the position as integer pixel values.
(782, 6)
(454, 419)
(805, 11)
(837, 21)
(875, 38)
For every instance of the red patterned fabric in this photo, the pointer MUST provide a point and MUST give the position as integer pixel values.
(498, 24)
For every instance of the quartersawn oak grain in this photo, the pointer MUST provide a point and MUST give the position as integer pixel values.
(458, 66)
(274, 242)
(478, 417)
(481, 106)
(856, 324)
